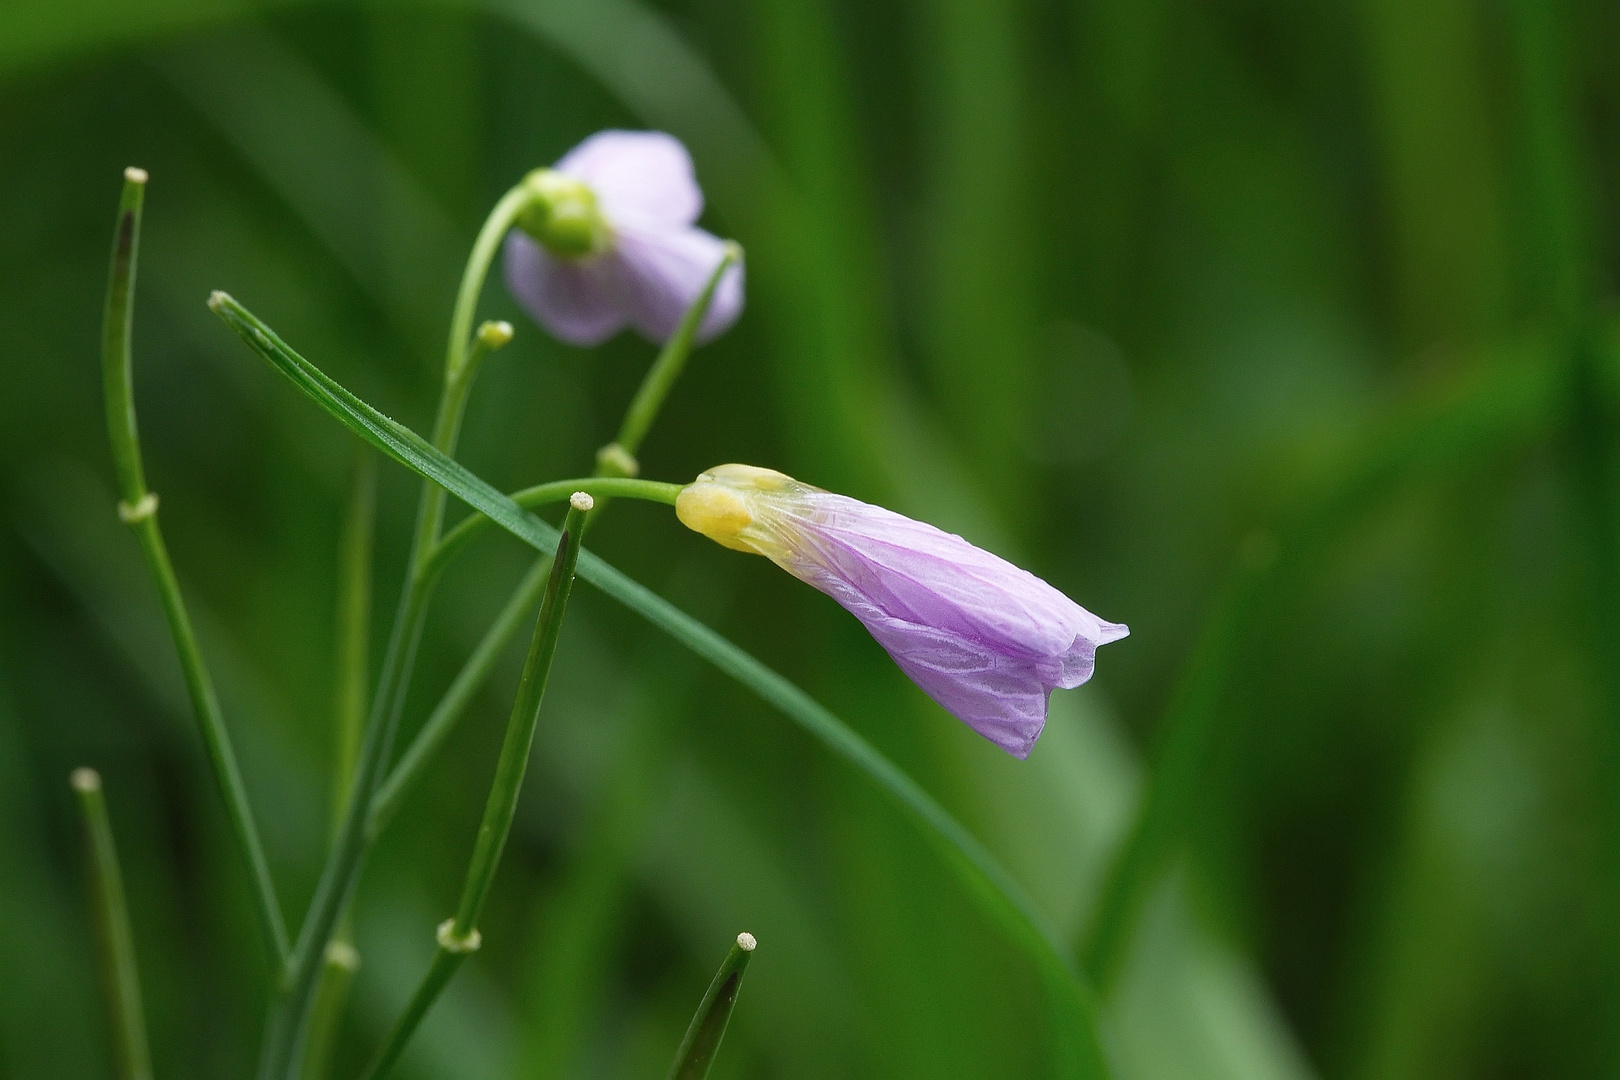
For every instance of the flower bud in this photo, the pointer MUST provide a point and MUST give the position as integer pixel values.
(983, 638)
(563, 216)
(742, 507)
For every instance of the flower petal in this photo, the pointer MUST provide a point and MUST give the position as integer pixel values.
(639, 177)
(1001, 697)
(982, 637)
(577, 300)
(913, 571)
(664, 271)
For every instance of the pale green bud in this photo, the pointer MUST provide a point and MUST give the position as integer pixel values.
(563, 215)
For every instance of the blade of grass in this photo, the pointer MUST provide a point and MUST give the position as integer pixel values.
(998, 896)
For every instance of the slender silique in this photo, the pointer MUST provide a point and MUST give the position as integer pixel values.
(459, 937)
(138, 508)
(116, 943)
(708, 1025)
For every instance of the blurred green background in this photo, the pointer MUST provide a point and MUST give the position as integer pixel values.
(1278, 331)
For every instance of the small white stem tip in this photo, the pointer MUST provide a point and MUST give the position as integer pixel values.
(746, 942)
(85, 780)
(134, 175)
(581, 501)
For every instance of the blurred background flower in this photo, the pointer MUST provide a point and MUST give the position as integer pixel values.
(1280, 332)
(609, 240)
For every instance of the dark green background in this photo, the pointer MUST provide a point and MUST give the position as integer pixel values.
(1151, 297)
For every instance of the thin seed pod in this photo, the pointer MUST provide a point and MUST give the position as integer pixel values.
(708, 1025)
(116, 943)
(138, 509)
(459, 937)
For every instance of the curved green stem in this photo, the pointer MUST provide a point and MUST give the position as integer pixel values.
(460, 936)
(496, 226)
(474, 525)
(139, 511)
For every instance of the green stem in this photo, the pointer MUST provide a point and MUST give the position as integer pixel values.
(441, 722)
(138, 509)
(666, 369)
(353, 646)
(337, 976)
(708, 1025)
(615, 467)
(117, 340)
(119, 978)
(472, 526)
(290, 1011)
(460, 935)
(353, 631)
(496, 226)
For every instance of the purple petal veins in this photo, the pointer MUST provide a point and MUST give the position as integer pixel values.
(658, 261)
(984, 638)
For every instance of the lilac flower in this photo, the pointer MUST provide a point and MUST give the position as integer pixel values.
(986, 640)
(608, 240)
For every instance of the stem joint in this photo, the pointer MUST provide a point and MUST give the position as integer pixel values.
(450, 942)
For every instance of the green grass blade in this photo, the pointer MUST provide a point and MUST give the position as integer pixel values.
(998, 896)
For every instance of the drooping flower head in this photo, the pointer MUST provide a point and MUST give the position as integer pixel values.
(985, 639)
(608, 240)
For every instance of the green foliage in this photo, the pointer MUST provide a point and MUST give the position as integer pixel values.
(1279, 332)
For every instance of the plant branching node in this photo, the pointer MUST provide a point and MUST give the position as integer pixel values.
(340, 954)
(449, 942)
(143, 509)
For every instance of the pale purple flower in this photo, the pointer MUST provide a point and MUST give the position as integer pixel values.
(611, 242)
(985, 639)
